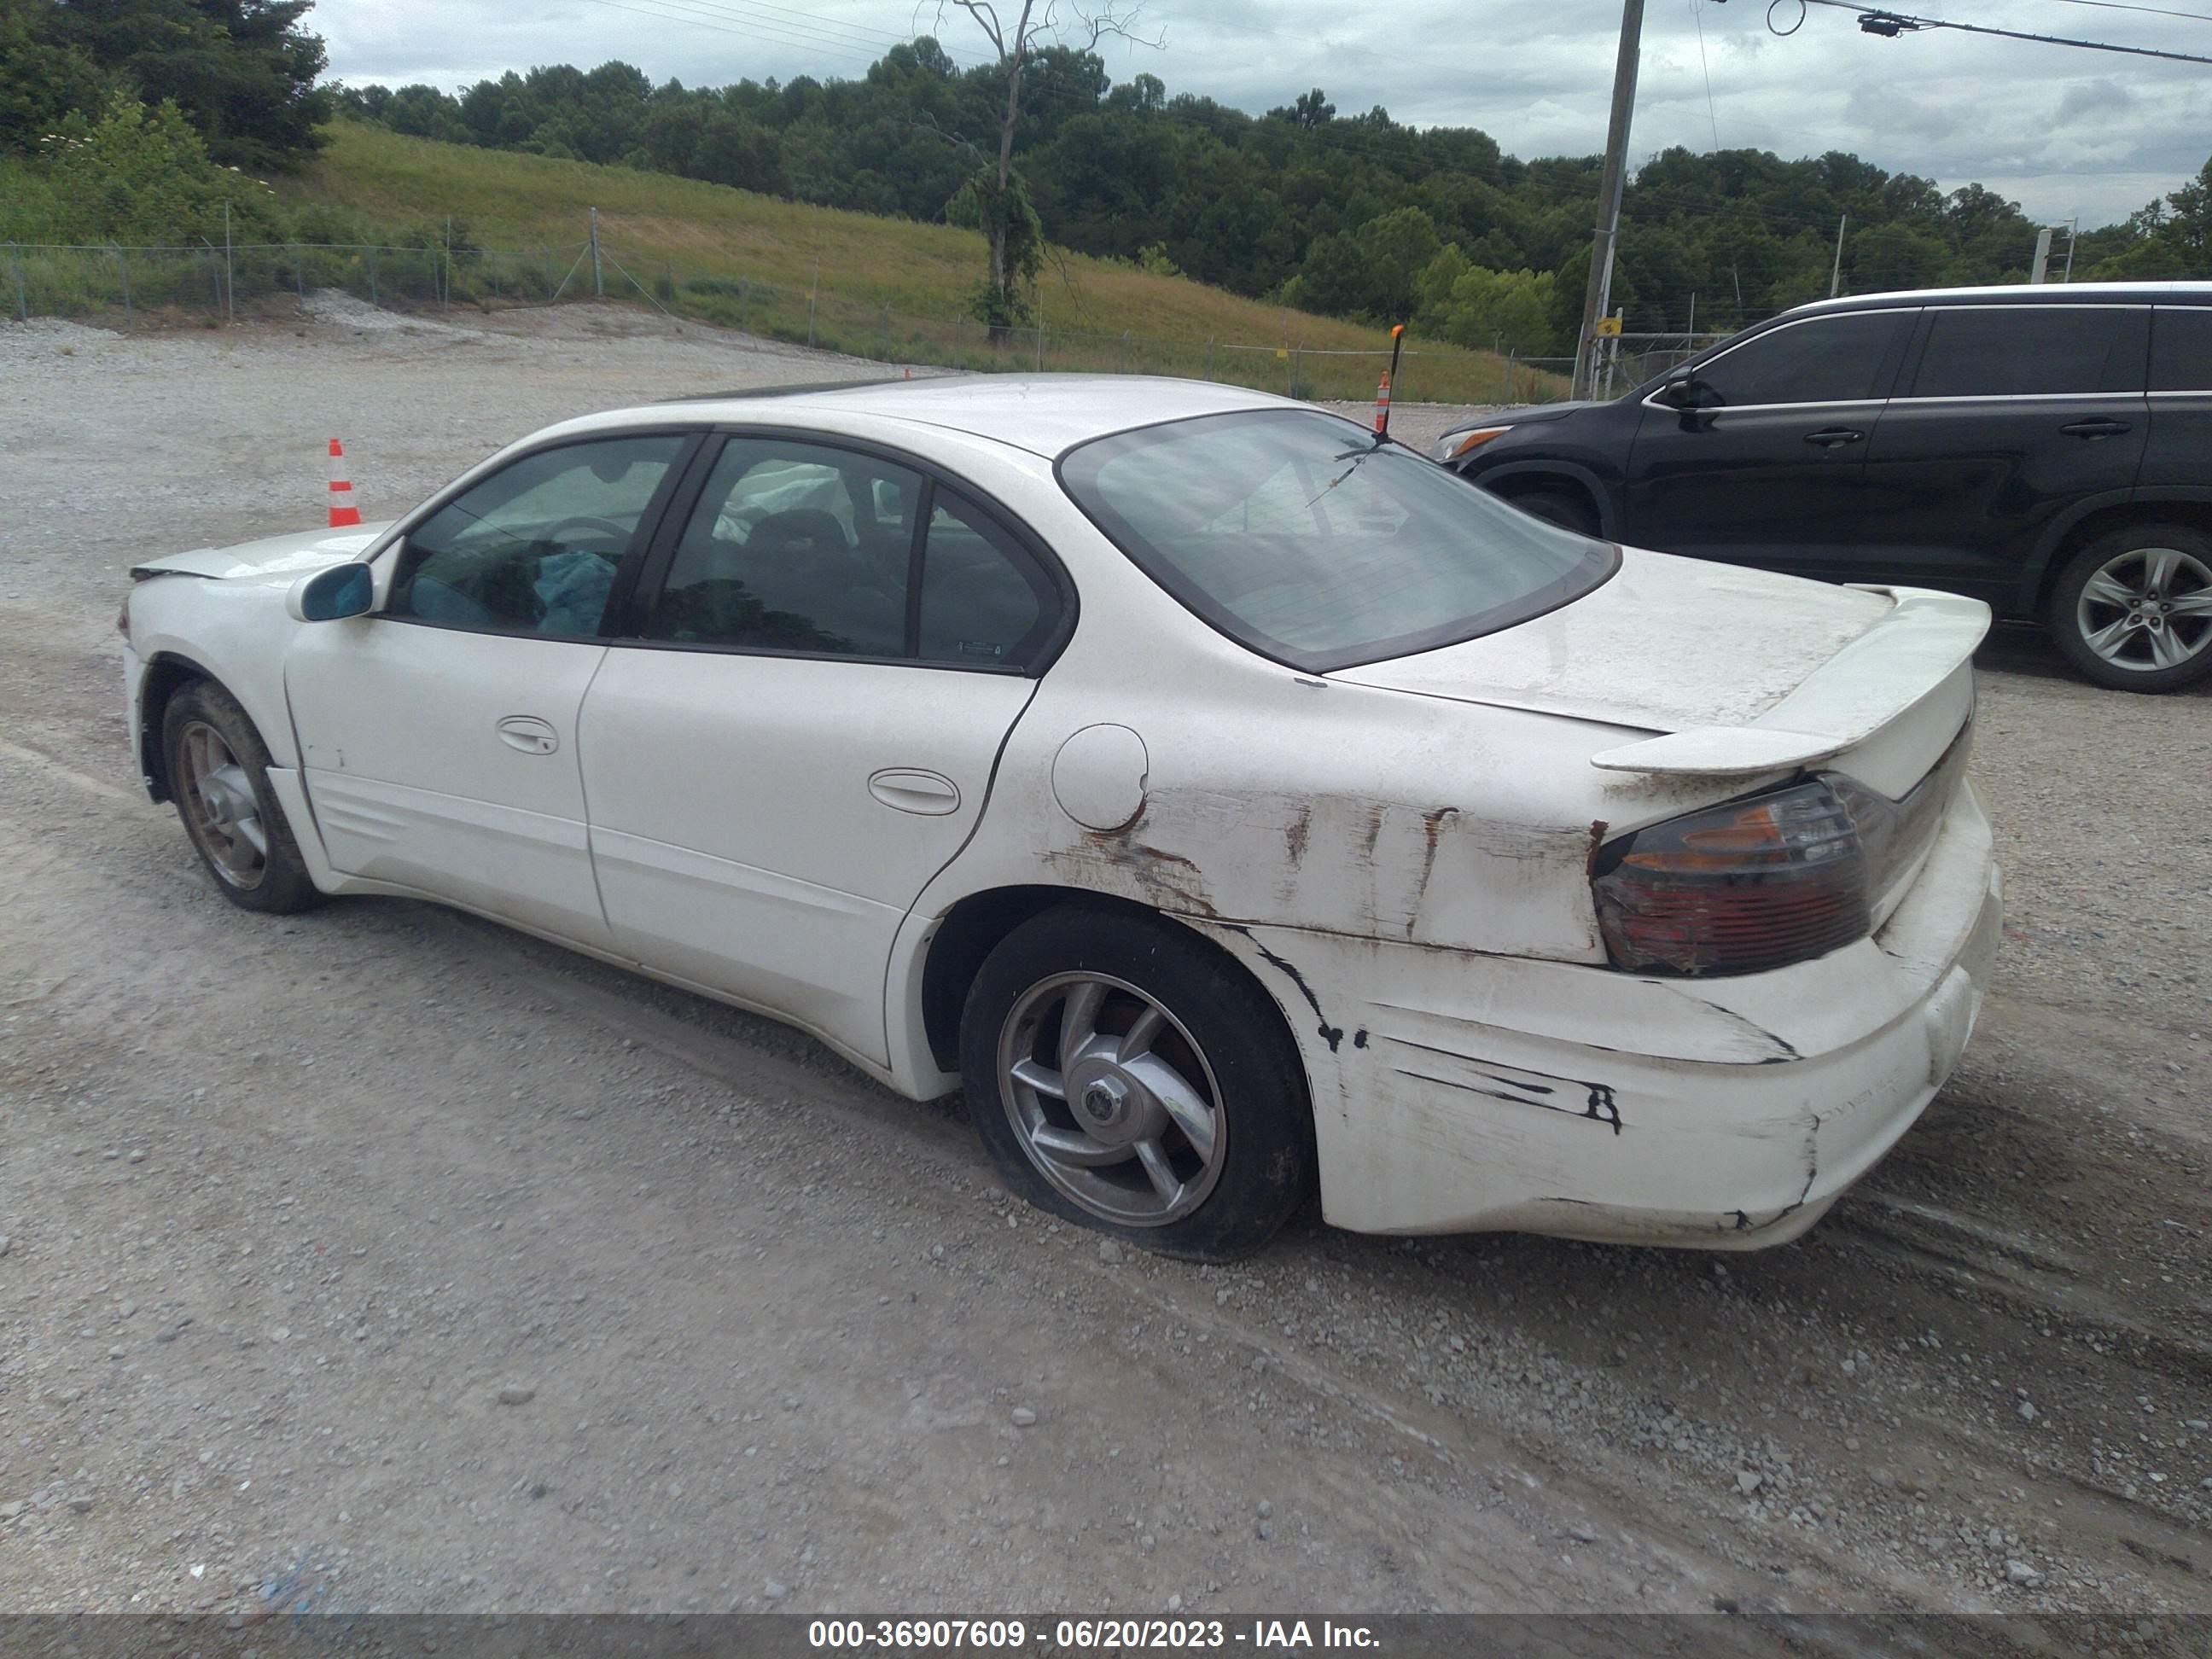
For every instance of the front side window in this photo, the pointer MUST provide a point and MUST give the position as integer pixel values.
(1295, 534)
(1827, 360)
(793, 547)
(2027, 351)
(535, 548)
(2181, 349)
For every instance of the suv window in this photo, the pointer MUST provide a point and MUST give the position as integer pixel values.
(2181, 349)
(2023, 351)
(535, 548)
(1827, 360)
(793, 547)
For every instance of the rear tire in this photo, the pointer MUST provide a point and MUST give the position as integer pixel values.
(1128, 1076)
(219, 776)
(2133, 609)
(1557, 504)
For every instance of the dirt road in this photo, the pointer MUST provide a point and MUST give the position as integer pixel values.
(383, 1257)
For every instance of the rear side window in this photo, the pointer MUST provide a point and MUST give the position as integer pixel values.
(2181, 349)
(1828, 360)
(793, 547)
(2027, 351)
(984, 602)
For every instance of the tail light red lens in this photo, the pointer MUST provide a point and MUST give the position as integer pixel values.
(1752, 884)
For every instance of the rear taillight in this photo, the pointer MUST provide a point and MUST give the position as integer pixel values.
(1753, 883)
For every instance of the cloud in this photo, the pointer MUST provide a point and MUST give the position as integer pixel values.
(2064, 131)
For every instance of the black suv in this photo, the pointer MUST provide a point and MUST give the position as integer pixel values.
(2046, 449)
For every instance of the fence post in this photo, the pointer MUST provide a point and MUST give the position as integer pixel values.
(445, 294)
(1040, 348)
(300, 270)
(229, 271)
(1209, 357)
(123, 265)
(887, 334)
(1508, 373)
(15, 269)
(957, 321)
(372, 298)
(1125, 351)
(598, 280)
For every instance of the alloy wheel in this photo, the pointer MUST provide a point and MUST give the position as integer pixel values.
(2147, 609)
(1112, 1099)
(221, 808)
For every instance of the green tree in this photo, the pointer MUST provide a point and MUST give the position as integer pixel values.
(243, 71)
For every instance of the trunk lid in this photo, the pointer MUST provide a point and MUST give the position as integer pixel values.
(1734, 672)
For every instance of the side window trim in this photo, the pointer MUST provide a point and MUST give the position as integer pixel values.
(627, 570)
(676, 512)
(917, 564)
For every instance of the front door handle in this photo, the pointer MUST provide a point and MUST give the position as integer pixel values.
(2101, 427)
(924, 794)
(1829, 437)
(528, 733)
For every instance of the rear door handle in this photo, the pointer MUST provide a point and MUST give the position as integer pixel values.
(908, 789)
(2101, 427)
(1829, 437)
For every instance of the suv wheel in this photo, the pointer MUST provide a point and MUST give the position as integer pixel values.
(1564, 507)
(2133, 610)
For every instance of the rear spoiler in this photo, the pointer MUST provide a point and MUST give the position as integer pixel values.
(1907, 656)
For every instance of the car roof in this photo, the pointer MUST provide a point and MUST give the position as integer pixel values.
(2039, 294)
(1045, 414)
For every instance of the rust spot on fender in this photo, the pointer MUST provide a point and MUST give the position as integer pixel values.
(1596, 842)
(1296, 834)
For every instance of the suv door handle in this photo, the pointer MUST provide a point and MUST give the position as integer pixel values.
(1829, 437)
(2103, 427)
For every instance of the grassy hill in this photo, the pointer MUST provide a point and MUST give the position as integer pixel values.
(884, 287)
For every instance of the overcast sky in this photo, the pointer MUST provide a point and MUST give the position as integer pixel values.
(2063, 131)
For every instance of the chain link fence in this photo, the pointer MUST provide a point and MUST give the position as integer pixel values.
(142, 287)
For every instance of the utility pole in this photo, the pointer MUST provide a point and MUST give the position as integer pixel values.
(1599, 293)
(1836, 274)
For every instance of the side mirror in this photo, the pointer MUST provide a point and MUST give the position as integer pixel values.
(1686, 391)
(343, 590)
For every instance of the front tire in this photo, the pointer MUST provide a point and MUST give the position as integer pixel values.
(1129, 1077)
(219, 777)
(2133, 609)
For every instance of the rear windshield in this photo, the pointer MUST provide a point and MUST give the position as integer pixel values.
(1294, 534)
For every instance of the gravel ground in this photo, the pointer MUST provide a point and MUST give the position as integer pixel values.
(387, 1258)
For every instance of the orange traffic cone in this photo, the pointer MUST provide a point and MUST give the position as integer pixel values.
(1383, 405)
(343, 512)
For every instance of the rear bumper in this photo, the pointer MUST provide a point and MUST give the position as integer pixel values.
(1461, 1093)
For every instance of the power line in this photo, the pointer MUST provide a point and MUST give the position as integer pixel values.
(2154, 11)
(1711, 114)
(1893, 23)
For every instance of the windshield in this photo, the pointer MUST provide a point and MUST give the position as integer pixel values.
(1292, 533)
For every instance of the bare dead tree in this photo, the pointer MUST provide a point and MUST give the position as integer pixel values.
(1002, 210)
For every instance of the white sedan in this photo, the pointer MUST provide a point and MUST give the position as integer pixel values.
(1232, 804)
